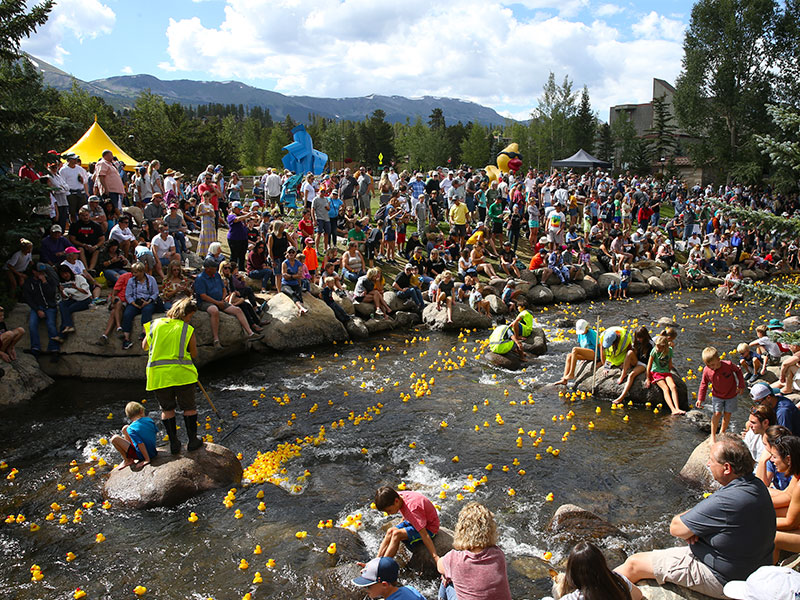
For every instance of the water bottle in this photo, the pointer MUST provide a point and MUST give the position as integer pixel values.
(186, 263)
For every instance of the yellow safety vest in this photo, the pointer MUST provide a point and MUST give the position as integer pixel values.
(527, 323)
(500, 341)
(617, 357)
(169, 362)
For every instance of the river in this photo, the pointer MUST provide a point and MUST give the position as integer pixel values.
(626, 471)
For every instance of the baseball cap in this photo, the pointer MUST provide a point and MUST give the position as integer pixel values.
(378, 569)
(56, 228)
(209, 263)
(609, 338)
(761, 390)
(309, 241)
(408, 266)
(236, 204)
(71, 250)
(41, 266)
(94, 198)
(766, 583)
(581, 326)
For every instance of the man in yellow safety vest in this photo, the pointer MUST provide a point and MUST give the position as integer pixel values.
(171, 373)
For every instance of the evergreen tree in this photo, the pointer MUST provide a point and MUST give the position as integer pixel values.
(605, 143)
(625, 141)
(585, 124)
(663, 140)
(553, 117)
(277, 140)
(783, 148)
(475, 147)
(17, 22)
(436, 119)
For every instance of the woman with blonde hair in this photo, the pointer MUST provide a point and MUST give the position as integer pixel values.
(369, 288)
(475, 568)
(175, 285)
(156, 180)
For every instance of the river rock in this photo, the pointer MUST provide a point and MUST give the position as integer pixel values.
(406, 320)
(21, 380)
(607, 388)
(570, 292)
(656, 284)
(700, 419)
(420, 560)
(638, 288)
(345, 302)
(669, 591)
(395, 303)
(364, 309)
(696, 471)
(289, 329)
(379, 324)
(564, 323)
(82, 357)
(540, 295)
(172, 479)
(463, 318)
(607, 279)
(666, 322)
(529, 276)
(791, 323)
(636, 276)
(748, 274)
(590, 286)
(536, 342)
(357, 329)
(496, 305)
(576, 523)
(670, 283)
(509, 360)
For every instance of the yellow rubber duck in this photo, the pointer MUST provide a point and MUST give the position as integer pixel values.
(244, 565)
(99, 538)
(78, 594)
(332, 548)
(140, 590)
(257, 578)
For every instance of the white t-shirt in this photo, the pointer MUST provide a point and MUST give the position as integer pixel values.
(171, 184)
(77, 268)
(121, 234)
(70, 176)
(308, 187)
(273, 185)
(769, 346)
(578, 595)
(161, 246)
(19, 261)
(755, 443)
(393, 177)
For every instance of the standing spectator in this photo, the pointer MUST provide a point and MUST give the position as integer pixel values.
(237, 233)
(365, 191)
(348, 188)
(40, 293)
(107, 181)
(208, 230)
(320, 214)
(77, 180)
(272, 189)
(177, 227)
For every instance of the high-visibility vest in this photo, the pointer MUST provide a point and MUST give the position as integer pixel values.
(500, 341)
(169, 362)
(527, 323)
(617, 357)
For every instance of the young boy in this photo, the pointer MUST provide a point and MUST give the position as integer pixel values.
(327, 296)
(613, 290)
(727, 381)
(625, 279)
(748, 362)
(138, 440)
(421, 521)
(379, 576)
(767, 349)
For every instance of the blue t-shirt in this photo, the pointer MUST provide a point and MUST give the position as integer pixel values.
(779, 480)
(406, 592)
(588, 339)
(335, 204)
(143, 431)
(209, 285)
(788, 415)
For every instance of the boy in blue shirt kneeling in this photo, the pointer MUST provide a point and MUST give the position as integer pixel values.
(138, 440)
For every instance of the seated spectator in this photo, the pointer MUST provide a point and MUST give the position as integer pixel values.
(141, 295)
(587, 576)
(76, 296)
(785, 453)
(8, 338)
(445, 295)
(52, 250)
(405, 288)
(76, 265)
(87, 236)
(215, 253)
(18, 264)
(508, 260)
(760, 419)
(96, 212)
(352, 263)
(116, 307)
(176, 225)
(209, 289)
(176, 285)
(291, 277)
(465, 266)
(239, 294)
(112, 262)
(163, 248)
(258, 265)
(767, 349)
(765, 469)
(369, 288)
(556, 264)
(41, 293)
(121, 233)
(328, 291)
(480, 263)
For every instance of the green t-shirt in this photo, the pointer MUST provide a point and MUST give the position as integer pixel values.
(496, 212)
(660, 361)
(358, 236)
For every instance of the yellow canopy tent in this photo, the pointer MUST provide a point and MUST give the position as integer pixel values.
(90, 147)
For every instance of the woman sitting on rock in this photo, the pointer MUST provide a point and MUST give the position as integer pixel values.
(291, 275)
(175, 286)
(635, 362)
(785, 454)
(480, 264)
(475, 568)
(587, 343)
(352, 263)
(369, 288)
(588, 577)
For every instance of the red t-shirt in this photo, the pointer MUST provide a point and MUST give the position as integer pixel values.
(306, 228)
(121, 284)
(419, 511)
(205, 187)
(726, 381)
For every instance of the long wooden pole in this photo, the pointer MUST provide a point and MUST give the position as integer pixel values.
(596, 349)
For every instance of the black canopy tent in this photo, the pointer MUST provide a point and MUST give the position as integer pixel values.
(581, 160)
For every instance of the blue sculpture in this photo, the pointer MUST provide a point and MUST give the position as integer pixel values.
(289, 190)
(301, 157)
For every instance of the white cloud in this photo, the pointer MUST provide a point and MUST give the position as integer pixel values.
(80, 19)
(608, 10)
(471, 49)
(127, 70)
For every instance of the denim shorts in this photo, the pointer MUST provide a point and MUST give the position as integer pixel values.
(721, 405)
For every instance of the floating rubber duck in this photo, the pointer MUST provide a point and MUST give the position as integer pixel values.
(140, 590)
(78, 594)
(244, 565)
(257, 549)
(257, 578)
(331, 548)
(270, 564)
(547, 555)
(549, 497)
(99, 538)
(71, 556)
(300, 535)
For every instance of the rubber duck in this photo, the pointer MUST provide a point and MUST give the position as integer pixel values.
(257, 578)
(110, 416)
(511, 492)
(243, 565)
(549, 497)
(301, 535)
(332, 548)
(257, 549)
(78, 594)
(270, 564)
(260, 494)
(140, 590)
(70, 556)
(547, 555)
(99, 538)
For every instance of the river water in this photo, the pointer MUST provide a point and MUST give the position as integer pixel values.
(626, 471)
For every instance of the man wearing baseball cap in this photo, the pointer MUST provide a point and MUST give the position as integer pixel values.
(379, 577)
(766, 583)
(786, 412)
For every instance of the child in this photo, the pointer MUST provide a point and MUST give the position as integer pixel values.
(671, 334)
(587, 576)
(8, 338)
(390, 238)
(767, 349)
(659, 370)
(749, 362)
(585, 260)
(478, 303)
(379, 576)
(727, 381)
(327, 296)
(694, 274)
(138, 440)
(625, 279)
(676, 273)
(305, 282)
(613, 290)
(445, 294)
(420, 520)
(509, 293)
(312, 261)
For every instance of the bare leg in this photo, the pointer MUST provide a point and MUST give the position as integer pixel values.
(213, 314)
(726, 419)
(715, 418)
(637, 370)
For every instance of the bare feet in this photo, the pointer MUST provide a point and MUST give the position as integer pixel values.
(562, 381)
(5, 357)
(678, 412)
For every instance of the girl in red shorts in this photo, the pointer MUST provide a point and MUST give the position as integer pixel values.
(659, 370)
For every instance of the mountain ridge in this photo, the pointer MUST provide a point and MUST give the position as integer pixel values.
(121, 91)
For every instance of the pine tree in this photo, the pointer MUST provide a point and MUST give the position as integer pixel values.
(662, 138)
(585, 124)
(475, 147)
(605, 143)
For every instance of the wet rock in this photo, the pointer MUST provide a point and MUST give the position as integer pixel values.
(656, 284)
(700, 419)
(357, 329)
(570, 292)
(529, 577)
(564, 323)
(170, 480)
(670, 283)
(22, 380)
(420, 560)
(463, 318)
(540, 295)
(791, 323)
(336, 582)
(638, 288)
(528, 276)
(364, 309)
(531, 567)
(590, 286)
(666, 322)
(379, 324)
(536, 342)
(637, 277)
(607, 388)
(575, 523)
(748, 274)
(496, 305)
(406, 320)
(289, 329)
(396, 303)
(607, 279)
(510, 360)
(696, 471)
(669, 591)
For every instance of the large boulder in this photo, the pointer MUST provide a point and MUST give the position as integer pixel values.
(528, 276)
(669, 591)
(670, 283)
(396, 303)
(590, 286)
(463, 318)
(607, 279)
(21, 380)
(509, 360)
(496, 305)
(364, 309)
(570, 292)
(357, 329)
(540, 295)
(419, 560)
(575, 523)
(607, 388)
(172, 479)
(406, 320)
(656, 284)
(345, 302)
(696, 471)
(289, 329)
(536, 342)
(84, 357)
(379, 324)
(638, 288)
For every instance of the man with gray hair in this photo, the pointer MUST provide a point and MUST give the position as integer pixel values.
(730, 534)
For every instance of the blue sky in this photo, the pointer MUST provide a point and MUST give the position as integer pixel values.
(493, 52)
